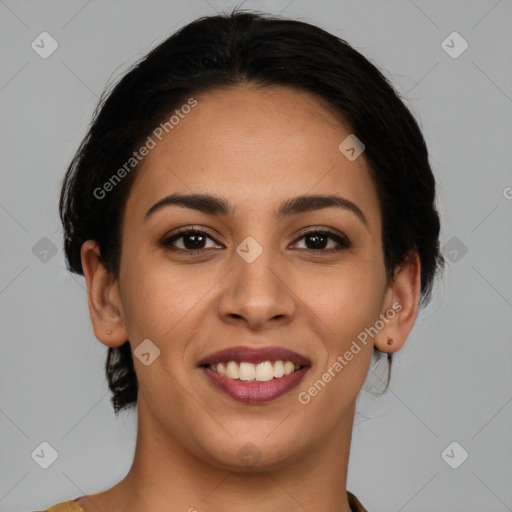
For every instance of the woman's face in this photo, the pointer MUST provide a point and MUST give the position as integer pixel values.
(255, 279)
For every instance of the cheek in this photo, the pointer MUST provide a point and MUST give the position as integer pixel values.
(145, 291)
(160, 299)
(349, 304)
(347, 298)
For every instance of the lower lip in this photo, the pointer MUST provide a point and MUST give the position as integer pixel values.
(255, 391)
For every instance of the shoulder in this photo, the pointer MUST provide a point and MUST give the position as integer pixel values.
(65, 506)
(355, 504)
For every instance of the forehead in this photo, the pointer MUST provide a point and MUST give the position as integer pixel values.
(256, 147)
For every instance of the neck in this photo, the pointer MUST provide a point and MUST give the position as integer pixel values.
(166, 476)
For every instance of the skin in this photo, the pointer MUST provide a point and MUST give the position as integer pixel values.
(256, 148)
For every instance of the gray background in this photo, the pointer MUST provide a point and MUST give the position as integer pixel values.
(451, 381)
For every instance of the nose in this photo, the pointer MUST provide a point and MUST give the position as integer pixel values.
(256, 294)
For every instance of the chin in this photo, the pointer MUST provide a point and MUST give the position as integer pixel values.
(253, 456)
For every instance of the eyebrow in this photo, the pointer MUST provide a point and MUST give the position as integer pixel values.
(213, 205)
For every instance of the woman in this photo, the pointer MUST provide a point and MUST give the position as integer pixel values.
(254, 213)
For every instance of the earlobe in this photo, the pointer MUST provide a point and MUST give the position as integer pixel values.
(106, 313)
(402, 301)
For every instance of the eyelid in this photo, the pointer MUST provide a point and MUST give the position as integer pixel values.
(188, 229)
(323, 229)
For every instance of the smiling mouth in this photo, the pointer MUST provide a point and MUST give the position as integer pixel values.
(255, 383)
(255, 375)
(249, 372)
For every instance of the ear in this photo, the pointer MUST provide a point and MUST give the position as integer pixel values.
(103, 298)
(401, 305)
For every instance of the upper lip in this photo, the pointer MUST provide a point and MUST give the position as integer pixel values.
(255, 355)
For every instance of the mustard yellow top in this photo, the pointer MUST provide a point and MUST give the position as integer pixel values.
(66, 506)
(72, 506)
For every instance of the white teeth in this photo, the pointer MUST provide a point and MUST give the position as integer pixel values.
(247, 371)
(232, 370)
(261, 372)
(264, 371)
(278, 369)
(288, 367)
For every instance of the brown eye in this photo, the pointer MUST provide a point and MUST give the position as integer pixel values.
(317, 241)
(191, 240)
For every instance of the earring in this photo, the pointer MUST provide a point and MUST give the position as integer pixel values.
(390, 341)
(109, 332)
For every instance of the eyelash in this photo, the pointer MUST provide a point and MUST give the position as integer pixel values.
(167, 242)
